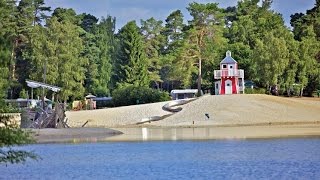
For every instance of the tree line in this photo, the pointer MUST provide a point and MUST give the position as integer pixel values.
(84, 54)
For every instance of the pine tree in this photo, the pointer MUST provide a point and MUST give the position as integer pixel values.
(7, 26)
(154, 44)
(39, 14)
(132, 58)
(104, 37)
(205, 29)
(90, 52)
(174, 71)
(57, 48)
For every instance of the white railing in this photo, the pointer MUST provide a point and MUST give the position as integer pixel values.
(218, 74)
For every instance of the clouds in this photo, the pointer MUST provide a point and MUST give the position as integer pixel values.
(127, 10)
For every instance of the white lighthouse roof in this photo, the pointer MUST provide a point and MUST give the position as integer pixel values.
(228, 59)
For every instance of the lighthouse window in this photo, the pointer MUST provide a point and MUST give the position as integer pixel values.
(224, 66)
(228, 84)
(230, 67)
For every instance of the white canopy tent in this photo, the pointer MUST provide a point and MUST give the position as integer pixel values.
(35, 84)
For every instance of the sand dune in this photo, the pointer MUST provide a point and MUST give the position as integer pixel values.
(223, 111)
(244, 110)
(115, 117)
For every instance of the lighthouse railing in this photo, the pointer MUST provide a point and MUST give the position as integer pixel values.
(218, 74)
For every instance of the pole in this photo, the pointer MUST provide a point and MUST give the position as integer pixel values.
(199, 78)
(44, 81)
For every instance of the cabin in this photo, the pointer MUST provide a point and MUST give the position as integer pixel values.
(183, 93)
(230, 78)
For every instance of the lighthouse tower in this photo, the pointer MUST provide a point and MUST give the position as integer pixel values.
(231, 79)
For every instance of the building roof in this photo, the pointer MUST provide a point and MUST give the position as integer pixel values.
(228, 59)
(35, 84)
(90, 96)
(182, 91)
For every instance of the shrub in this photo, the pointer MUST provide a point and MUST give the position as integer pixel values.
(8, 108)
(130, 95)
(11, 135)
(255, 91)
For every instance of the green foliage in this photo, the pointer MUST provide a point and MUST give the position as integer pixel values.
(131, 95)
(98, 49)
(82, 54)
(4, 108)
(154, 43)
(306, 29)
(23, 94)
(58, 49)
(174, 29)
(204, 34)
(88, 22)
(272, 57)
(63, 15)
(133, 64)
(176, 67)
(4, 53)
(255, 91)
(11, 135)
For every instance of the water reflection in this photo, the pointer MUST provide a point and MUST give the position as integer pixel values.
(150, 134)
(205, 133)
(144, 134)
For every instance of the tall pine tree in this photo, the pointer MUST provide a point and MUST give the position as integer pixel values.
(132, 60)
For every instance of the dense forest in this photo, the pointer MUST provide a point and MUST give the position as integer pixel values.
(84, 54)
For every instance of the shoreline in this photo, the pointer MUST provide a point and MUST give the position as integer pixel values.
(72, 135)
(206, 118)
(150, 125)
(147, 134)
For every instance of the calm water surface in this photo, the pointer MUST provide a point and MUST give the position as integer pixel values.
(234, 159)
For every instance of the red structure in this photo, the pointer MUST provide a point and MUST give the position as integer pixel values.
(229, 76)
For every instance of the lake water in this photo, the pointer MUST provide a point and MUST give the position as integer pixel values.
(219, 159)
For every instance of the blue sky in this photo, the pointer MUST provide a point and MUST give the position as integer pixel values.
(127, 10)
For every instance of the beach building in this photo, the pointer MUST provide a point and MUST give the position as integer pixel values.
(230, 78)
(183, 93)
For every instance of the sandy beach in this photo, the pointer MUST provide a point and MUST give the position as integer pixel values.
(230, 117)
(232, 110)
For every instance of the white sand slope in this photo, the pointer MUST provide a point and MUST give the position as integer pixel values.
(114, 117)
(245, 109)
(223, 110)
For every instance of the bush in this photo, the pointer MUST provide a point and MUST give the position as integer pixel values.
(11, 135)
(130, 95)
(8, 108)
(255, 91)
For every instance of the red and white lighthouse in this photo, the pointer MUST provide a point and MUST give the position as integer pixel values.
(231, 79)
